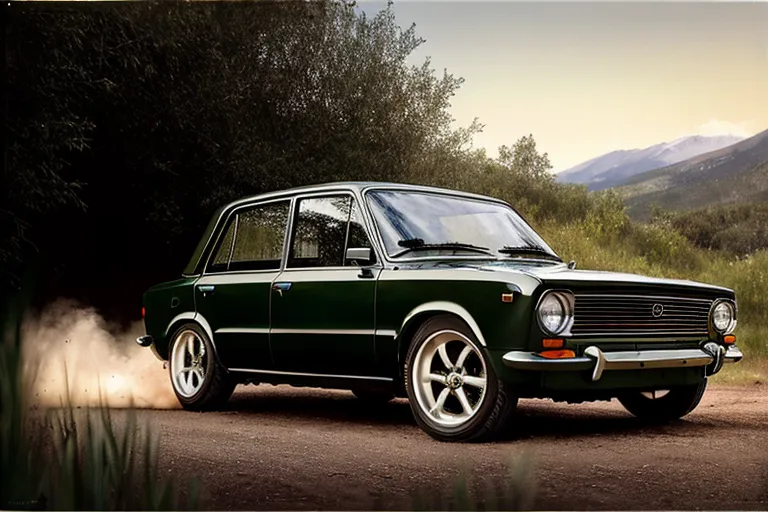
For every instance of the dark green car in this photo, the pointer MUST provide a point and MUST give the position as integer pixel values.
(447, 298)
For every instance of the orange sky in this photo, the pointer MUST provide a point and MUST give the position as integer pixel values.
(588, 78)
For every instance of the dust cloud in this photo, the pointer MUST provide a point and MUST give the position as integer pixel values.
(72, 355)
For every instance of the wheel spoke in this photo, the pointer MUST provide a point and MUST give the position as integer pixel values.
(188, 380)
(463, 356)
(436, 377)
(463, 400)
(191, 345)
(475, 382)
(440, 401)
(444, 355)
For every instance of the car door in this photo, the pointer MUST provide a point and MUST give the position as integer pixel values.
(234, 292)
(322, 303)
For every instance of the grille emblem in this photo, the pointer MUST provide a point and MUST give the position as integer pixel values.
(657, 310)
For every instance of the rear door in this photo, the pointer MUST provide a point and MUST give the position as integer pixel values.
(323, 304)
(233, 294)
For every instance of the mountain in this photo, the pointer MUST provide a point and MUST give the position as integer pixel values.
(736, 173)
(614, 168)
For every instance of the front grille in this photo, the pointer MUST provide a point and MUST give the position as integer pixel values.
(640, 315)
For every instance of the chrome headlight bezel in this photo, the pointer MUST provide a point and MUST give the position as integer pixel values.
(731, 306)
(567, 301)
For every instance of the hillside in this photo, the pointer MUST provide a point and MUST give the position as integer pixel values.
(735, 173)
(614, 168)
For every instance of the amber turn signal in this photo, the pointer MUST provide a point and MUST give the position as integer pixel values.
(552, 343)
(558, 354)
(143, 312)
(729, 340)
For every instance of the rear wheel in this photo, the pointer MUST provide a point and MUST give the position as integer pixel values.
(664, 405)
(198, 379)
(452, 389)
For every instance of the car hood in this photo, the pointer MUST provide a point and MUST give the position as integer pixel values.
(561, 275)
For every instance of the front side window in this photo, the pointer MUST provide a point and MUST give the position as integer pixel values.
(418, 224)
(253, 240)
(323, 229)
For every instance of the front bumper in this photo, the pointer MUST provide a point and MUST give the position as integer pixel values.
(711, 355)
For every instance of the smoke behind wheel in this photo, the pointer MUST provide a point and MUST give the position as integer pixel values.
(72, 354)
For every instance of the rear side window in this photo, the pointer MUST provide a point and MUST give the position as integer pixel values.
(253, 240)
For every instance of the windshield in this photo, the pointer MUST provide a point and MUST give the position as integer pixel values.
(424, 224)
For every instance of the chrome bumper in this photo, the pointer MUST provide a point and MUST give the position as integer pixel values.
(711, 354)
(148, 341)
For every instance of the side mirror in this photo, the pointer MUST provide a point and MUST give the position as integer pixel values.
(360, 255)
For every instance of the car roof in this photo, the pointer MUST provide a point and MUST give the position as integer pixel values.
(204, 246)
(360, 186)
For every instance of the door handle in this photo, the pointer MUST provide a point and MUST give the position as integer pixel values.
(281, 287)
(206, 289)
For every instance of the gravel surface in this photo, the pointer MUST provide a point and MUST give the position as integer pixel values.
(278, 448)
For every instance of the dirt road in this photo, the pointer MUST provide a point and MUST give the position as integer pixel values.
(285, 448)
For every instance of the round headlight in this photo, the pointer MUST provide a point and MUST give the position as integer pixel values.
(723, 316)
(555, 312)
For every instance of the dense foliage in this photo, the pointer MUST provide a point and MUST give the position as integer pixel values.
(131, 123)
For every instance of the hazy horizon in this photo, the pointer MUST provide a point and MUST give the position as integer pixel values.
(587, 78)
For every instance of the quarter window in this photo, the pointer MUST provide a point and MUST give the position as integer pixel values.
(358, 237)
(253, 240)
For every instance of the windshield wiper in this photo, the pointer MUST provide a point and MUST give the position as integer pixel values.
(530, 250)
(418, 244)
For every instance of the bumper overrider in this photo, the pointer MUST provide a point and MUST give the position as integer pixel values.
(710, 355)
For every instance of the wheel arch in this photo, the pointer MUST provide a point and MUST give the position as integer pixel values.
(420, 314)
(188, 317)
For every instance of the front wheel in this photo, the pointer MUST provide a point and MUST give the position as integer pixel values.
(664, 405)
(452, 389)
(198, 379)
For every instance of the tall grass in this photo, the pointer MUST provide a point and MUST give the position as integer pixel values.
(74, 459)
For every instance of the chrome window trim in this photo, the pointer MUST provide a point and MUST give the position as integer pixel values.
(221, 232)
(449, 193)
(358, 189)
(329, 193)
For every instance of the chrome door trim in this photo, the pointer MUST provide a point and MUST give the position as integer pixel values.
(242, 330)
(354, 332)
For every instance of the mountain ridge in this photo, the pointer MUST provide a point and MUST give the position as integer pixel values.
(614, 168)
(735, 173)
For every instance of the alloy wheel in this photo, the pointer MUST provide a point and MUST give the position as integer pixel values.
(188, 363)
(450, 378)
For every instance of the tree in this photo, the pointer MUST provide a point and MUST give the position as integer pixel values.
(131, 123)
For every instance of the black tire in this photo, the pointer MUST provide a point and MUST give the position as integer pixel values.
(373, 397)
(218, 385)
(498, 404)
(678, 402)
